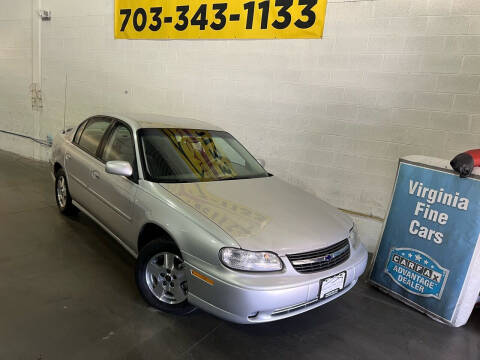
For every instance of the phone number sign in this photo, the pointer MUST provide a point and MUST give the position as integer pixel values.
(213, 19)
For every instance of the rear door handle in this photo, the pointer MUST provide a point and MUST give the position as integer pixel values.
(95, 175)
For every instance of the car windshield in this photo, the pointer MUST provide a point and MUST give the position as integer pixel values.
(185, 155)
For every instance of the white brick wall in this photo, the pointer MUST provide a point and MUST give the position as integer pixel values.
(16, 74)
(390, 78)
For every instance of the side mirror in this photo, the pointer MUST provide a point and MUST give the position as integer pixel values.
(121, 168)
(261, 162)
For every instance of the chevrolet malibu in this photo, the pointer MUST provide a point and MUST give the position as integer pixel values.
(209, 226)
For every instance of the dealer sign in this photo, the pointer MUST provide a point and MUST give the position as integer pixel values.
(216, 19)
(429, 239)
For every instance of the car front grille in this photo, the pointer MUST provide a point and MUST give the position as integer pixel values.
(322, 259)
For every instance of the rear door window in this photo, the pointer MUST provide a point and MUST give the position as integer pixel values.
(93, 134)
(79, 132)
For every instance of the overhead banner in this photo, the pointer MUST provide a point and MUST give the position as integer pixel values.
(214, 19)
(429, 241)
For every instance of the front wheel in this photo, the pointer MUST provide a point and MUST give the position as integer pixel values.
(161, 278)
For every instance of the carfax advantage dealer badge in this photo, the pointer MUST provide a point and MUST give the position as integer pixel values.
(416, 272)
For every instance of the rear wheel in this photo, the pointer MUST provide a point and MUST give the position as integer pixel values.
(62, 195)
(161, 278)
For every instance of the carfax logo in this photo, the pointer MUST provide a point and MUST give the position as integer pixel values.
(416, 272)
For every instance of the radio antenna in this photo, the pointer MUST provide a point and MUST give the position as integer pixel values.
(65, 105)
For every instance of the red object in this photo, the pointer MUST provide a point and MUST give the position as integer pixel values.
(476, 156)
(465, 162)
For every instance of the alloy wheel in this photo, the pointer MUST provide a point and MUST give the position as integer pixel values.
(166, 278)
(62, 192)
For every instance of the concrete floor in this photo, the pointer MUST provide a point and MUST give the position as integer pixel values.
(67, 292)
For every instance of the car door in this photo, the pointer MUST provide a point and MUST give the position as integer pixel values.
(115, 194)
(81, 157)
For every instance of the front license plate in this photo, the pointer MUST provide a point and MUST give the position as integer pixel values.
(332, 285)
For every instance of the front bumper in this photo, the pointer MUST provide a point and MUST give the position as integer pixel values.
(254, 298)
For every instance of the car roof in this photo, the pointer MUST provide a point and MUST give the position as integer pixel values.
(148, 121)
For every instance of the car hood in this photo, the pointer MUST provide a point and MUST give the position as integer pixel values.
(266, 214)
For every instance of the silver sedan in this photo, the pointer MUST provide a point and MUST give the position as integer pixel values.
(209, 226)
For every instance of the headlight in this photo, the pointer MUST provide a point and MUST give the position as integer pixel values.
(244, 260)
(353, 237)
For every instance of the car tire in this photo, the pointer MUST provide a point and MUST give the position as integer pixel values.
(161, 277)
(62, 194)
